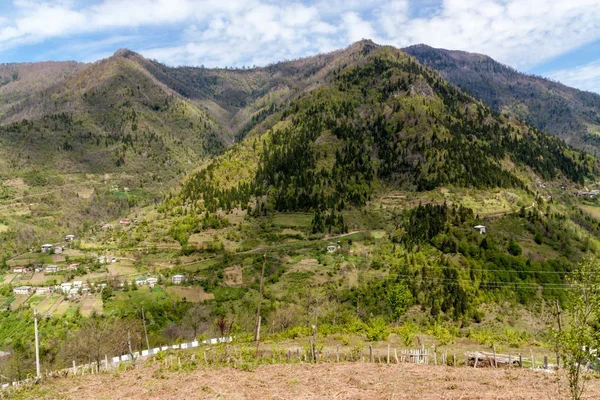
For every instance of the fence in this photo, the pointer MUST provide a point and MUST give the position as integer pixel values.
(105, 365)
(231, 354)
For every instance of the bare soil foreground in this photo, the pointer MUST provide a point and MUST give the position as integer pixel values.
(308, 381)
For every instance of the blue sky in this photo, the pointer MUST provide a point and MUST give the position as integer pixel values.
(559, 39)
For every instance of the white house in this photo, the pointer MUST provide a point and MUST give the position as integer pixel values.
(22, 290)
(51, 269)
(65, 287)
(58, 250)
(177, 279)
(46, 248)
(331, 249)
(152, 281)
(480, 229)
(20, 270)
(77, 284)
(70, 238)
(44, 290)
(142, 280)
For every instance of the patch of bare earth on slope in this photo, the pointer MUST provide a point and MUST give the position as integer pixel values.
(323, 381)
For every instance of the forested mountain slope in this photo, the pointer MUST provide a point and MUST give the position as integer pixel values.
(571, 114)
(381, 119)
(108, 116)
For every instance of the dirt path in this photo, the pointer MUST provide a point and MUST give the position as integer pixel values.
(309, 381)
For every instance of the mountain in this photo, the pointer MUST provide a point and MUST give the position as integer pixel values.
(106, 117)
(318, 134)
(379, 120)
(568, 113)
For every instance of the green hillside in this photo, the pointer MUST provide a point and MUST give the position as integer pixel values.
(381, 120)
(571, 114)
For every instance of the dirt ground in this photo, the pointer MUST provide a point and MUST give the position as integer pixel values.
(307, 381)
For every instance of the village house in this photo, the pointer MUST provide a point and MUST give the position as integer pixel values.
(331, 249)
(77, 284)
(73, 292)
(124, 221)
(177, 279)
(73, 267)
(142, 280)
(152, 281)
(70, 238)
(46, 248)
(20, 270)
(44, 290)
(22, 290)
(480, 229)
(58, 250)
(65, 287)
(51, 269)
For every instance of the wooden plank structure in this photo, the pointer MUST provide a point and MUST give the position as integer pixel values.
(494, 360)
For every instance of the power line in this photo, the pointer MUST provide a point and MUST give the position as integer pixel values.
(531, 285)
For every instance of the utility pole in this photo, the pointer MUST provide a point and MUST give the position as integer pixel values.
(37, 345)
(145, 331)
(262, 278)
(129, 342)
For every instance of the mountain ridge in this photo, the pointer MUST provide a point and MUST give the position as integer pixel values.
(569, 113)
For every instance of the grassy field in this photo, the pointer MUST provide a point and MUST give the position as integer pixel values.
(90, 303)
(193, 294)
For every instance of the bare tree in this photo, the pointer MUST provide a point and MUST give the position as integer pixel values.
(100, 336)
(197, 318)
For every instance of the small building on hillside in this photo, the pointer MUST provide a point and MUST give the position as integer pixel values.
(73, 266)
(142, 280)
(152, 281)
(177, 279)
(124, 221)
(480, 229)
(51, 269)
(44, 290)
(58, 250)
(20, 270)
(22, 290)
(46, 248)
(331, 249)
(70, 238)
(77, 284)
(65, 287)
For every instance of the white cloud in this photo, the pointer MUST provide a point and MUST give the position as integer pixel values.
(357, 28)
(521, 33)
(584, 77)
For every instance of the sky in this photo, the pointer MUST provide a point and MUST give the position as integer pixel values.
(558, 39)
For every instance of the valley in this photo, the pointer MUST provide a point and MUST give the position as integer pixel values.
(353, 197)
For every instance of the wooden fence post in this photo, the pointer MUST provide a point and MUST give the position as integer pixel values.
(532, 359)
(495, 361)
(520, 361)
(396, 355)
(454, 359)
(74, 368)
(370, 353)
(337, 354)
(388, 354)
(545, 362)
